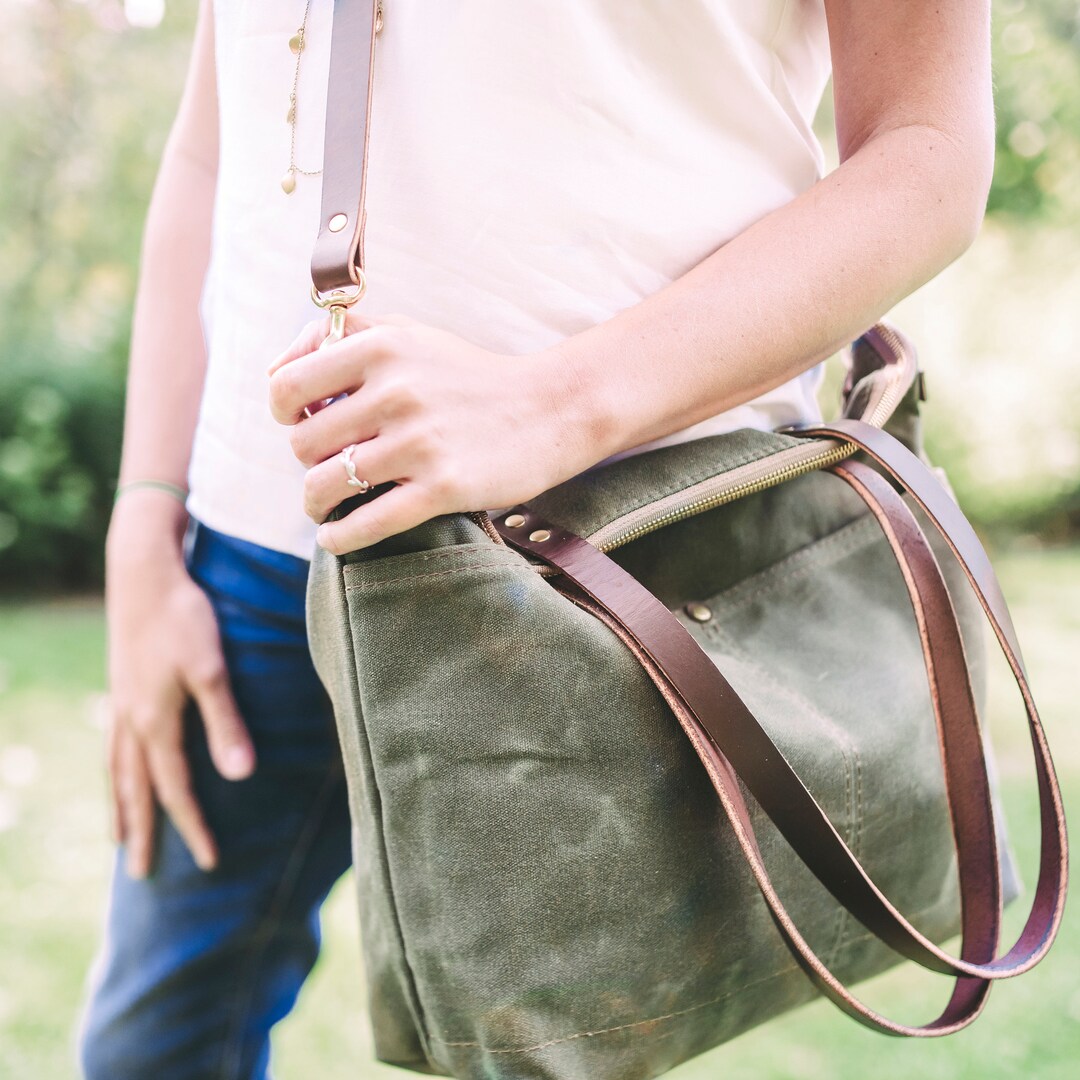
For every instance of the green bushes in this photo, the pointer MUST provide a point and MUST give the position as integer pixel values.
(87, 106)
(59, 454)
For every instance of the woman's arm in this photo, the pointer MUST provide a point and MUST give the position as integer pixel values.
(915, 126)
(460, 428)
(168, 358)
(163, 639)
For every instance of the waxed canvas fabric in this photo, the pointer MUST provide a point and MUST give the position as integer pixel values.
(547, 885)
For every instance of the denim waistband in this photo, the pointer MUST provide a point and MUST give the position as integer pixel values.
(247, 574)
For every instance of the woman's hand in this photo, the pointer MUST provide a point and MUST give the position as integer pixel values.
(164, 648)
(457, 427)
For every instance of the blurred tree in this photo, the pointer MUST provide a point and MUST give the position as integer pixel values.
(1037, 91)
(88, 102)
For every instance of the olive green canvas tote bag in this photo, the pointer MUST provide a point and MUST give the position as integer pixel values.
(686, 741)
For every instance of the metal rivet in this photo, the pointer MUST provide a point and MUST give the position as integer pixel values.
(540, 535)
(338, 222)
(514, 521)
(698, 612)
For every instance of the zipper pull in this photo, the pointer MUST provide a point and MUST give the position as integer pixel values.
(378, 16)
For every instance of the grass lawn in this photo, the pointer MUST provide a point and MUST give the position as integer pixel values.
(55, 855)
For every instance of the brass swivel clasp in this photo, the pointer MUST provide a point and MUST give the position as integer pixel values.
(338, 302)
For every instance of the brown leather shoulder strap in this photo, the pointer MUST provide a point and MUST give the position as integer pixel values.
(338, 259)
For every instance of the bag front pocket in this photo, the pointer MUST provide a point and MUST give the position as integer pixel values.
(556, 861)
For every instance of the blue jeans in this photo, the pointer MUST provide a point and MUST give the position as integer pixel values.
(196, 967)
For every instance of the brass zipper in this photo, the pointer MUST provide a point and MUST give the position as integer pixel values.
(747, 479)
(718, 490)
(894, 388)
(757, 476)
(483, 519)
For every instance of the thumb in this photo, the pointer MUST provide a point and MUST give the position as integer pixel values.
(314, 334)
(231, 748)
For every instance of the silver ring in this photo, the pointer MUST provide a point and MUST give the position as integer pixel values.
(352, 480)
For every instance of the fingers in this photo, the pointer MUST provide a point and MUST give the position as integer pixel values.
(156, 764)
(171, 778)
(351, 420)
(326, 485)
(137, 808)
(325, 373)
(166, 657)
(112, 769)
(227, 736)
(134, 817)
(400, 508)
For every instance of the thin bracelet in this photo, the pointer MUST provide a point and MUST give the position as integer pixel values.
(155, 485)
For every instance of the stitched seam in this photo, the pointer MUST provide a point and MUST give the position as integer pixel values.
(849, 753)
(847, 541)
(420, 556)
(843, 916)
(848, 538)
(358, 729)
(656, 1019)
(853, 784)
(622, 1027)
(231, 1046)
(436, 573)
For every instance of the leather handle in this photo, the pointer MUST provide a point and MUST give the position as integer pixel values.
(729, 740)
(338, 259)
(914, 477)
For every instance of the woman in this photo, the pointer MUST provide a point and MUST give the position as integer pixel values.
(591, 229)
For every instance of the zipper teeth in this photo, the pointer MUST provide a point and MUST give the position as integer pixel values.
(885, 406)
(876, 417)
(838, 451)
(726, 495)
(483, 519)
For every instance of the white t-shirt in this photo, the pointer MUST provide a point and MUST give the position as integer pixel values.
(534, 168)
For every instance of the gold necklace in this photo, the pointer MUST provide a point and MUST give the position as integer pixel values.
(296, 46)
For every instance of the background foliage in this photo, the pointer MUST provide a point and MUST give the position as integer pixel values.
(90, 98)
(87, 100)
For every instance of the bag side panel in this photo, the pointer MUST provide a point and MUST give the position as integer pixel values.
(392, 1005)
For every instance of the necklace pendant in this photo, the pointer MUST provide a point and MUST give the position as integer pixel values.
(296, 42)
(288, 182)
(290, 116)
